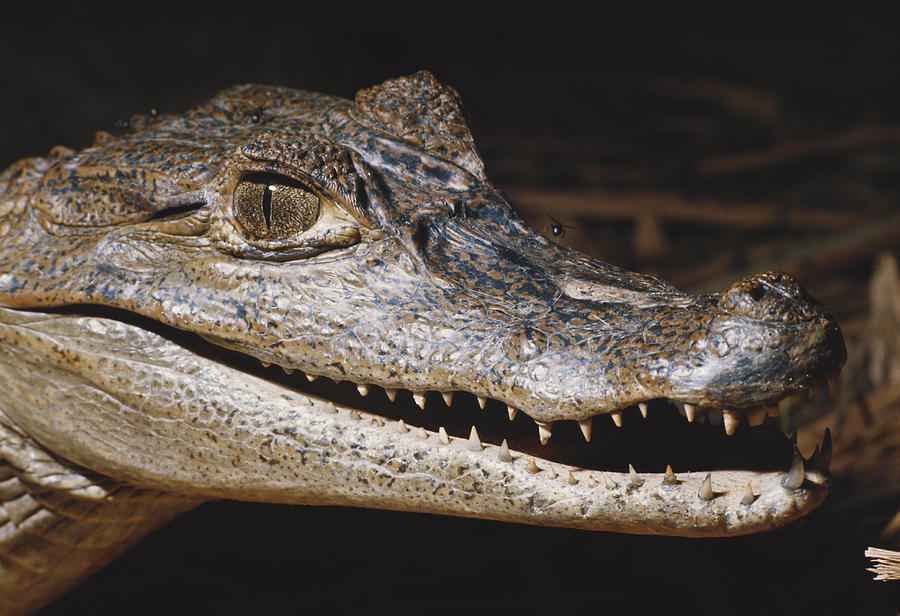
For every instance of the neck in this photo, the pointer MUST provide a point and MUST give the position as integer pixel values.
(59, 524)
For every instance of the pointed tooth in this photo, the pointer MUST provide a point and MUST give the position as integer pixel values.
(504, 454)
(812, 457)
(265, 364)
(669, 478)
(793, 479)
(824, 460)
(329, 407)
(532, 466)
(401, 426)
(832, 385)
(634, 480)
(390, 393)
(442, 434)
(422, 433)
(419, 399)
(756, 417)
(287, 370)
(608, 482)
(586, 425)
(572, 480)
(771, 410)
(363, 389)
(511, 412)
(732, 420)
(311, 377)
(749, 496)
(474, 441)
(690, 411)
(378, 421)
(544, 431)
(642, 407)
(481, 402)
(448, 397)
(785, 404)
(617, 418)
(354, 415)
(706, 492)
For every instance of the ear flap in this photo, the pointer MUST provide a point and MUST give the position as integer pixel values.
(423, 112)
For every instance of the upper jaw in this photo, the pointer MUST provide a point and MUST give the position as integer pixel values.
(689, 353)
(740, 392)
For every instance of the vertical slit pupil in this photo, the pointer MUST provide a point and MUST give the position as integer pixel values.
(267, 204)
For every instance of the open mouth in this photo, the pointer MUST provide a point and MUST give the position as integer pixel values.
(660, 473)
(658, 437)
(649, 438)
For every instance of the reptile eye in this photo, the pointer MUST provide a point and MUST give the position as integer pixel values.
(273, 206)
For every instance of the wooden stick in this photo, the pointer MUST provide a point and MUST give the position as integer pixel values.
(887, 564)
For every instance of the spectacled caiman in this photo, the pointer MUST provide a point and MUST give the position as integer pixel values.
(169, 295)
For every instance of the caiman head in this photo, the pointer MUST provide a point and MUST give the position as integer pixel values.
(361, 241)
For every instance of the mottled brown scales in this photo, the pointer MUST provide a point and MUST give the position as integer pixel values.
(135, 290)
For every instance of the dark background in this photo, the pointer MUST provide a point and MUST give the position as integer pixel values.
(788, 111)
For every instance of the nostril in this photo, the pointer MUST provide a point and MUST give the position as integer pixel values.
(756, 293)
(770, 296)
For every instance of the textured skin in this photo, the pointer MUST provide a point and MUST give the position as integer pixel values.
(417, 276)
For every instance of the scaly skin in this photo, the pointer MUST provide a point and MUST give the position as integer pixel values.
(415, 275)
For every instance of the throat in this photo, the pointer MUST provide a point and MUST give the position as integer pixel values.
(48, 507)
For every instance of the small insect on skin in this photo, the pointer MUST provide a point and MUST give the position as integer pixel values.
(557, 228)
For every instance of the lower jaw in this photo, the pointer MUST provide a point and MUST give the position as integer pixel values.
(458, 474)
(656, 475)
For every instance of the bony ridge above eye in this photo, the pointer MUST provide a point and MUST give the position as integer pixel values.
(270, 206)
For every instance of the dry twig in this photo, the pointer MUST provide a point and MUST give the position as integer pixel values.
(887, 564)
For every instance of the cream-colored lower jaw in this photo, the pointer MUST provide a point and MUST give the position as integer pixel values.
(478, 479)
(141, 409)
(438, 473)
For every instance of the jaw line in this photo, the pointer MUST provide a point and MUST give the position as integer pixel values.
(277, 444)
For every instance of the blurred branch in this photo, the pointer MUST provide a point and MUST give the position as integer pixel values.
(635, 204)
(863, 136)
(817, 255)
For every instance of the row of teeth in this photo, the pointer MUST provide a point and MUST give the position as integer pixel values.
(729, 419)
(792, 480)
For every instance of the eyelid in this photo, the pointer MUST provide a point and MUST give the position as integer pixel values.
(334, 227)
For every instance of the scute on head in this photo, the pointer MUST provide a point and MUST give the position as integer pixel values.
(423, 112)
